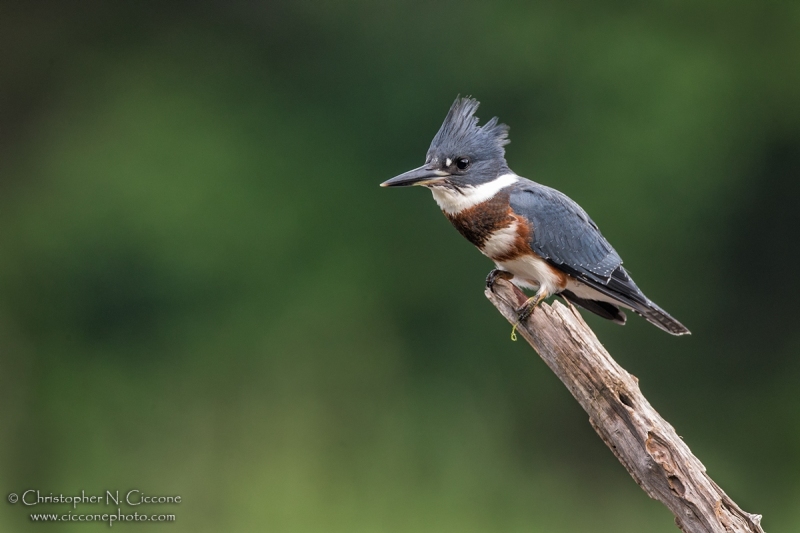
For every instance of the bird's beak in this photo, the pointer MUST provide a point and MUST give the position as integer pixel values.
(423, 175)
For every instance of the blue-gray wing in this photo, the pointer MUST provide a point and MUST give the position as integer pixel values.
(563, 234)
(565, 237)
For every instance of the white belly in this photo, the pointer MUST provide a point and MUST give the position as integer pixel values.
(532, 272)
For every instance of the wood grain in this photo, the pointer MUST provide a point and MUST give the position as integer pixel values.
(646, 445)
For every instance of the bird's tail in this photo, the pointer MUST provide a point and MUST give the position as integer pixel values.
(624, 292)
(660, 318)
(644, 308)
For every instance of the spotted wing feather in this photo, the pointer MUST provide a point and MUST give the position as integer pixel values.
(563, 234)
(565, 237)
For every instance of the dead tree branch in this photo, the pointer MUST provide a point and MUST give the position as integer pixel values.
(646, 445)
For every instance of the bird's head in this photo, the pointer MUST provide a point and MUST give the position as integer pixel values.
(462, 154)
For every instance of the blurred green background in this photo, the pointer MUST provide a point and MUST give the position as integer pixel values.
(204, 292)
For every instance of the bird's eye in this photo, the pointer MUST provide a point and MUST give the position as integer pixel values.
(462, 163)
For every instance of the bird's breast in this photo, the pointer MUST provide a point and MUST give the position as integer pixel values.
(505, 237)
(502, 241)
(480, 222)
(494, 228)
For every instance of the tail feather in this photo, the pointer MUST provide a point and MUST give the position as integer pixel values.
(621, 288)
(660, 318)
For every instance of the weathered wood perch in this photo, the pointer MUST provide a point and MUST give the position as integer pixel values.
(646, 445)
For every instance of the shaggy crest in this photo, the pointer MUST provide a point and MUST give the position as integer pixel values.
(460, 131)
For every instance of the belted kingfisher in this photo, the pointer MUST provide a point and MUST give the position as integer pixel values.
(537, 237)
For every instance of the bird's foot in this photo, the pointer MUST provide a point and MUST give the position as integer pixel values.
(526, 310)
(494, 275)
